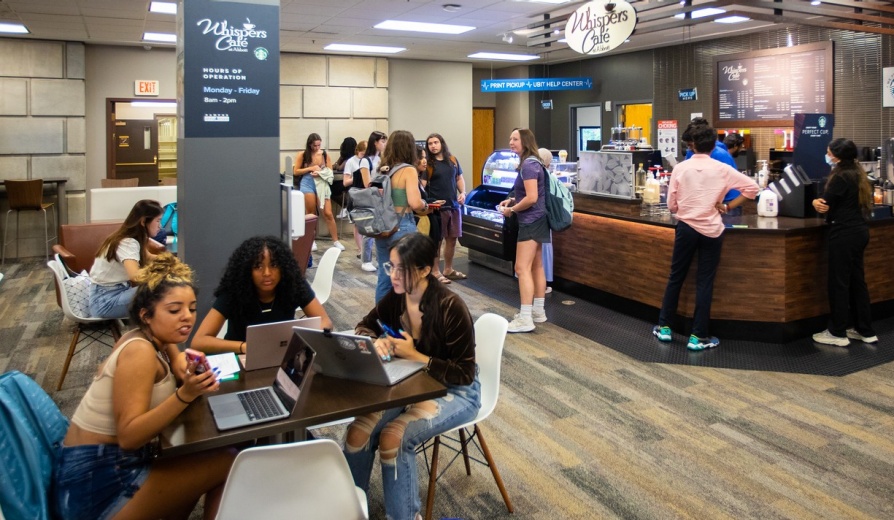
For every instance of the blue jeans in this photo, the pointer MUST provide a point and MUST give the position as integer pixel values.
(399, 480)
(383, 252)
(367, 245)
(97, 480)
(111, 301)
(686, 242)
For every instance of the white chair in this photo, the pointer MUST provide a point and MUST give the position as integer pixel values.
(490, 335)
(72, 299)
(308, 479)
(322, 284)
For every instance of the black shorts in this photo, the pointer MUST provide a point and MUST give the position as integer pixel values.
(537, 231)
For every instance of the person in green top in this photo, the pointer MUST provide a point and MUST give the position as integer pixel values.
(399, 150)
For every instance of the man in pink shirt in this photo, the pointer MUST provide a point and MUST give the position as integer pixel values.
(695, 195)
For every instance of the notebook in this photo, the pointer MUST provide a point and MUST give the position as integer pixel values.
(267, 342)
(270, 403)
(347, 356)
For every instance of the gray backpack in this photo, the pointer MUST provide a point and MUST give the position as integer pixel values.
(372, 209)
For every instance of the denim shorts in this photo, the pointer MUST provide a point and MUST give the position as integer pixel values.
(307, 185)
(97, 480)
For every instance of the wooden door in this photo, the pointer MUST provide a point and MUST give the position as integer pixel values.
(482, 141)
(136, 150)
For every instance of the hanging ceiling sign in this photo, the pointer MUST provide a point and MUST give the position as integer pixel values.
(598, 27)
(532, 84)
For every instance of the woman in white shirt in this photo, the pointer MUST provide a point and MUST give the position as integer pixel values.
(119, 258)
(364, 244)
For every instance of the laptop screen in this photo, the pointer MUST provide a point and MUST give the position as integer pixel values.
(295, 369)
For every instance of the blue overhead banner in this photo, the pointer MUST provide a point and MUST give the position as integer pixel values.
(532, 84)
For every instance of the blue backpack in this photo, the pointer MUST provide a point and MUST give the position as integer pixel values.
(169, 219)
(31, 433)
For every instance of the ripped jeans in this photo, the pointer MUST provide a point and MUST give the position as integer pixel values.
(404, 429)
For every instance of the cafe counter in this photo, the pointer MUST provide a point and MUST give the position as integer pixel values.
(770, 285)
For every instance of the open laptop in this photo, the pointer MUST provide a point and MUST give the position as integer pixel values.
(270, 403)
(267, 342)
(347, 356)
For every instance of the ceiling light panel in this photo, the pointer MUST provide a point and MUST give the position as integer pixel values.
(375, 49)
(12, 28)
(423, 27)
(163, 7)
(502, 57)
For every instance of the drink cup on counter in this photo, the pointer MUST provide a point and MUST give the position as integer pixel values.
(563, 154)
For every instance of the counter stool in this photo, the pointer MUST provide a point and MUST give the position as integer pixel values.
(26, 195)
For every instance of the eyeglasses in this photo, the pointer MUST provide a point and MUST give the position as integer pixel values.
(389, 268)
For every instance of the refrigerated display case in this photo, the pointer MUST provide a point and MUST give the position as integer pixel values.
(489, 237)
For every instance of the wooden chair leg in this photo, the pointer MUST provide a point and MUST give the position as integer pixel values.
(465, 445)
(493, 469)
(71, 349)
(432, 478)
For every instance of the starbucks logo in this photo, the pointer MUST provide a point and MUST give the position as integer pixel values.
(261, 53)
(822, 122)
(889, 84)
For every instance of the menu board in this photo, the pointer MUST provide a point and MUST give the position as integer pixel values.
(767, 88)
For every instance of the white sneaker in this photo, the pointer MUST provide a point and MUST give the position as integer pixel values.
(827, 338)
(314, 247)
(853, 334)
(548, 289)
(538, 316)
(521, 324)
(368, 267)
(338, 245)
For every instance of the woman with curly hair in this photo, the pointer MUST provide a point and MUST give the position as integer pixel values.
(105, 468)
(846, 203)
(261, 284)
(119, 258)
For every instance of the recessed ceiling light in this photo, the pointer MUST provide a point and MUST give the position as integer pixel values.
(732, 19)
(159, 37)
(163, 7)
(153, 104)
(347, 47)
(501, 56)
(13, 28)
(815, 2)
(438, 28)
(451, 8)
(698, 13)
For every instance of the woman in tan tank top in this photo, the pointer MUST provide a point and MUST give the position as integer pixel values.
(106, 467)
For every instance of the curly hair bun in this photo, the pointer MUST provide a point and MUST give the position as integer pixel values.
(164, 268)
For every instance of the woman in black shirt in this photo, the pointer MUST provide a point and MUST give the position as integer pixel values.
(846, 202)
(261, 284)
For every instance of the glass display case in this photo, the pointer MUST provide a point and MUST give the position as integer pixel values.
(489, 237)
(612, 173)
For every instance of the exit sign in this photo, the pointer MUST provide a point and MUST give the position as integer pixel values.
(143, 87)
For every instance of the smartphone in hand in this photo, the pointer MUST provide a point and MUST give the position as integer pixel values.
(388, 330)
(199, 359)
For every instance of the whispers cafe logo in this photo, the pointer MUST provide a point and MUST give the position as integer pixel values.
(230, 38)
(598, 27)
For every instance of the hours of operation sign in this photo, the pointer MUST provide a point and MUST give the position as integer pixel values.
(230, 70)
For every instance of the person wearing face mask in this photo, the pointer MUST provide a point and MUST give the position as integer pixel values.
(846, 203)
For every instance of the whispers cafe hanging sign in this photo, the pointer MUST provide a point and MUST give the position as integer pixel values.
(599, 27)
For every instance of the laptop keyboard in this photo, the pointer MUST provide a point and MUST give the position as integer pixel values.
(259, 404)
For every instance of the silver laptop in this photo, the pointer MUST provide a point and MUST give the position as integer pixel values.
(270, 403)
(267, 342)
(347, 356)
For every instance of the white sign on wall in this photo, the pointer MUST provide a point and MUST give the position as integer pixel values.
(888, 87)
(596, 29)
(145, 87)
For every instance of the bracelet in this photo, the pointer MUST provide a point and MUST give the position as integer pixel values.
(177, 393)
(428, 365)
(242, 348)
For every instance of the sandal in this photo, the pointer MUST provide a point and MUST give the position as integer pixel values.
(443, 279)
(455, 275)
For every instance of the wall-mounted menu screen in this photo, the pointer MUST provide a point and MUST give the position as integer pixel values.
(768, 87)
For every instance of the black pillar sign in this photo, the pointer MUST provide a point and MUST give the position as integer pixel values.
(229, 86)
(813, 132)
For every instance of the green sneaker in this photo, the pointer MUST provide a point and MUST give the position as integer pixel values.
(662, 333)
(697, 343)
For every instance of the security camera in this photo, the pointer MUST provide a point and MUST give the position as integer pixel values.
(610, 6)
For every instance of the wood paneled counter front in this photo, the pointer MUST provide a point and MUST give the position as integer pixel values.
(770, 286)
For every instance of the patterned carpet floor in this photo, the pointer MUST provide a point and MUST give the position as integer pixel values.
(582, 430)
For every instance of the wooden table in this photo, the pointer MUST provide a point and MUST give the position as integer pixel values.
(330, 399)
